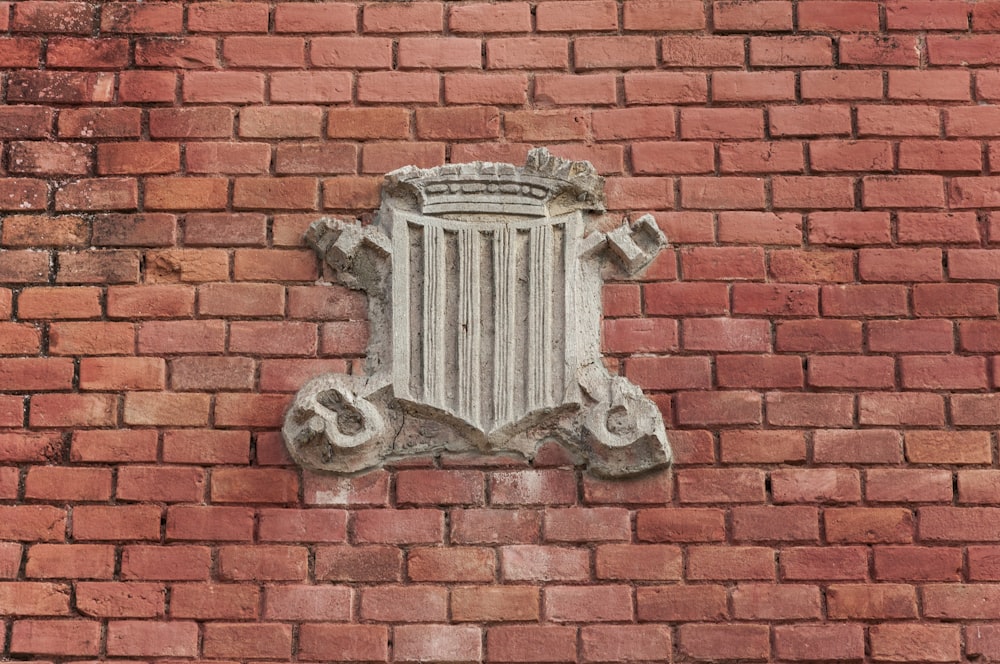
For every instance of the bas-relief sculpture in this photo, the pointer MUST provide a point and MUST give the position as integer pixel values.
(484, 291)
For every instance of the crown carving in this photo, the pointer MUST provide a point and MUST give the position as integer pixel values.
(544, 186)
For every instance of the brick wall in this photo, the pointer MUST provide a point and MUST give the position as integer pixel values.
(820, 334)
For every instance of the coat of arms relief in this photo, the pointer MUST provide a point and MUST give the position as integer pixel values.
(484, 297)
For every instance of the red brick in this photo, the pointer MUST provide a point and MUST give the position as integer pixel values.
(580, 15)
(682, 603)
(453, 564)
(632, 335)
(871, 601)
(150, 301)
(141, 19)
(72, 410)
(213, 601)
(762, 446)
(444, 643)
(263, 52)
(197, 522)
(527, 53)
(36, 231)
(55, 484)
(495, 603)
(739, 642)
(865, 446)
(729, 485)
(147, 638)
(462, 88)
(604, 603)
(398, 87)
(190, 337)
(21, 52)
(172, 409)
(945, 523)
(614, 52)
(371, 488)
(846, 371)
(665, 88)
(649, 562)
(914, 563)
(952, 447)
(881, 50)
(670, 373)
(359, 563)
(118, 446)
(895, 409)
(954, 300)
(263, 563)
(924, 643)
(742, 86)
(897, 486)
(928, 15)
(306, 603)
(841, 85)
(530, 643)
(486, 17)
(132, 522)
(28, 598)
(46, 158)
(574, 89)
(416, 526)
(206, 446)
(758, 601)
(816, 485)
(235, 640)
(970, 120)
(345, 642)
(769, 15)
(138, 158)
(546, 487)
(824, 563)
(624, 643)
(543, 563)
(228, 17)
(791, 51)
(845, 15)
(977, 486)
(239, 158)
(308, 17)
(806, 642)
(412, 603)
(349, 53)
(868, 525)
(940, 85)
(122, 373)
(241, 299)
(235, 87)
(161, 484)
(34, 374)
(911, 336)
(495, 526)
(180, 53)
(61, 87)
(776, 524)
(691, 50)
(731, 407)
(439, 53)
(31, 121)
(120, 600)
(254, 485)
(56, 637)
(138, 230)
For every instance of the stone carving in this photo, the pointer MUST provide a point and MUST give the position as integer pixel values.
(484, 291)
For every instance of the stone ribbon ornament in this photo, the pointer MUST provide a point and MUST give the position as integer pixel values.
(484, 297)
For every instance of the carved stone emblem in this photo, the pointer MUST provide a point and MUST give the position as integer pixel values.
(484, 295)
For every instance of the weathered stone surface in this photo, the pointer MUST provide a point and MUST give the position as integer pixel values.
(484, 290)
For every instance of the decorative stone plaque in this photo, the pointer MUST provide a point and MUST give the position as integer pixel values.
(484, 297)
